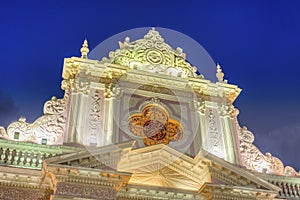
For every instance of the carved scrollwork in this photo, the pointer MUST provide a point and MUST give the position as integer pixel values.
(54, 106)
(3, 133)
(70, 68)
(48, 127)
(227, 110)
(85, 191)
(58, 106)
(253, 159)
(112, 90)
(81, 87)
(198, 105)
(152, 54)
(289, 171)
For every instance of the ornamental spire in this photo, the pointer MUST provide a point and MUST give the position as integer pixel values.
(84, 49)
(219, 74)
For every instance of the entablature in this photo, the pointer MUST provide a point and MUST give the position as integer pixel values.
(214, 90)
(24, 178)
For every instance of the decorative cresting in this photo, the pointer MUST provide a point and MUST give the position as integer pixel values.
(252, 158)
(47, 129)
(152, 54)
(155, 126)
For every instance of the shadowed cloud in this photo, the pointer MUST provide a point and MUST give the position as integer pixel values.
(8, 109)
(280, 143)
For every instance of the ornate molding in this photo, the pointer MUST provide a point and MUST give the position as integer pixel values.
(199, 105)
(226, 109)
(160, 165)
(229, 192)
(148, 192)
(81, 86)
(112, 90)
(70, 69)
(219, 91)
(226, 176)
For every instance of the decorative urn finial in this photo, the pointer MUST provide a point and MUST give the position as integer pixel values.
(219, 74)
(84, 49)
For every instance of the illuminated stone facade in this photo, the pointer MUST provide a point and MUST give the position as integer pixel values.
(140, 124)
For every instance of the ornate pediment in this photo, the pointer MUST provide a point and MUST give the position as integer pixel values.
(162, 166)
(152, 54)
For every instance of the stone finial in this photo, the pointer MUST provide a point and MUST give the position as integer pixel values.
(124, 44)
(180, 52)
(219, 74)
(84, 49)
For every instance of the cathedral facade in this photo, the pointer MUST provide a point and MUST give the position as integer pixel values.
(141, 124)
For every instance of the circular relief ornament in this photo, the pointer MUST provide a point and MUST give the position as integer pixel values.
(155, 126)
(154, 130)
(154, 56)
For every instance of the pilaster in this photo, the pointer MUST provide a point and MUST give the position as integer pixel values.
(77, 111)
(227, 115)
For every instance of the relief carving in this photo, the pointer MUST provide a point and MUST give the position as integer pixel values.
(81, 87)
(152, 54)
(155, 126)
(85, 191)
(48, 128)
(214, 136)
(58, 106)
(227, 110)
(112, 90)
(198, 105)
(252, 158)
(95, 115)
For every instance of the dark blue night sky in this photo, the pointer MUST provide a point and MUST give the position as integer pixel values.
(256, 42)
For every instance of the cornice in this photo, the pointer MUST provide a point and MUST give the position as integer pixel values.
(217, 191)
(83, 175)
(241, 175)
(142, 192)
(23, 178)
